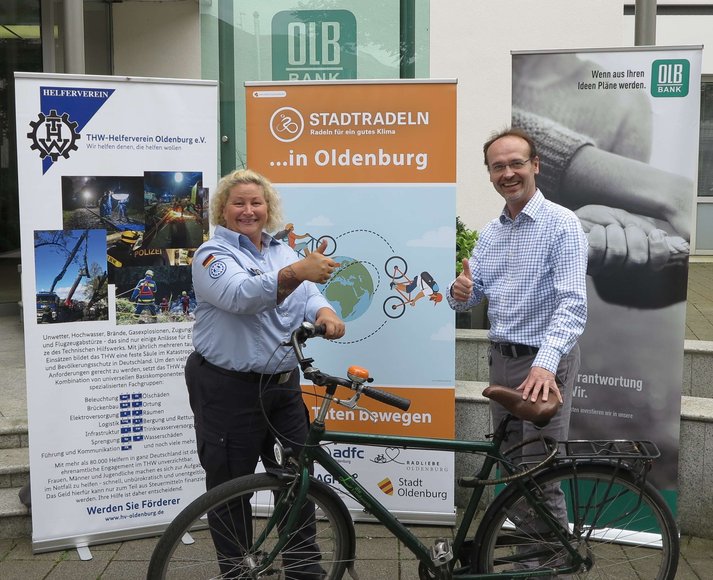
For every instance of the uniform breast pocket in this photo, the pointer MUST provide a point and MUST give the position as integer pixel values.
(293, 306)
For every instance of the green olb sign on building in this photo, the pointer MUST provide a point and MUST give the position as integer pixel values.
(669, 78)
(314, 45)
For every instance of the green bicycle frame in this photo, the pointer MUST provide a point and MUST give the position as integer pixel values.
(376, 508)
(313, 451)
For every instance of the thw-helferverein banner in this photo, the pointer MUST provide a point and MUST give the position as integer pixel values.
(617, 132)
(369, 167)
(114, 181)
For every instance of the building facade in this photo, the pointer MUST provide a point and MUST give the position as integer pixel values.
(240, 40)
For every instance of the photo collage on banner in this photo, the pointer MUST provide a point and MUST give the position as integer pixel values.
(617, 134)
(115, 176)
(369, 168)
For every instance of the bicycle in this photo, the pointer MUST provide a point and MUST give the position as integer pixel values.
(616, 518)
(313, 243)
(394, 306)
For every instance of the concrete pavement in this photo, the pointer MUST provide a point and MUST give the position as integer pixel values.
(381, 556)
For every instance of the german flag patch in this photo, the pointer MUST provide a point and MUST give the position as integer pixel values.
(386, 486)
(209, 260)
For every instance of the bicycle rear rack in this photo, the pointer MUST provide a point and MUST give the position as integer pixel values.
(608, 449)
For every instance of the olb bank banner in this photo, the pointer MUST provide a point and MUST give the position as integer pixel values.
(617, 133)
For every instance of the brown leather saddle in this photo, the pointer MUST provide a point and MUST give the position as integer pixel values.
(540, 412)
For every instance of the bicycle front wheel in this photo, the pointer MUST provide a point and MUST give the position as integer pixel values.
(622, 529)
(394, 307)
(331, 244)
(231, 532)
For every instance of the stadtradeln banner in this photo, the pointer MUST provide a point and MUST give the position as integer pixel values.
(369, 169)
(114, 182)
(617, 132)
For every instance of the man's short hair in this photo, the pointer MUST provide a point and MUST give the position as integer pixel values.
(510, 132)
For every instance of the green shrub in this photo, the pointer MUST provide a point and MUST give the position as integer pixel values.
(465, 242)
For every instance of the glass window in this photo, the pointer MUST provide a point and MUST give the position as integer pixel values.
(20, 50)
(254, 40)
(704, 207)
(705, 155)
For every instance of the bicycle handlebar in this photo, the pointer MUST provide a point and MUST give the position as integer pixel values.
(387, 398)
(307, 331)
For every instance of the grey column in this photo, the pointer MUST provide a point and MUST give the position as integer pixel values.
(74, 36)
(645, 23)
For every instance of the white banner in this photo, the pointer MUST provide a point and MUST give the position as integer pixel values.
(617, 133)
(114, 181)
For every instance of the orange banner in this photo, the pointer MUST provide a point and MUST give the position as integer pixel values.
(358, 165)
(430, 415)
(350, 133)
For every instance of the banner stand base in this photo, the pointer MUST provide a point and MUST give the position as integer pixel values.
(84, 553)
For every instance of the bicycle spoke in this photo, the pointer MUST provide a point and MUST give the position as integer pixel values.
(617, 528)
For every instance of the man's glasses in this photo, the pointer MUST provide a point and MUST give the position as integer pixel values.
(515, 165)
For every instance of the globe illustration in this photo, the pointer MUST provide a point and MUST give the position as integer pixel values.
(350, 290)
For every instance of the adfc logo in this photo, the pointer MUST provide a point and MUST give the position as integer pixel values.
(386, 486)
(287, 124)
(54, 135)
(669, 78)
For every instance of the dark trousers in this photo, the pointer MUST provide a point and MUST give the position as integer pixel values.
(235, 421)
(510, 372)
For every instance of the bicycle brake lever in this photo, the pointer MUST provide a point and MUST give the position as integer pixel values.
(350, 403)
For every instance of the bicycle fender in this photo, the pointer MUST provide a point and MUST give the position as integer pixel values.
(314, 482)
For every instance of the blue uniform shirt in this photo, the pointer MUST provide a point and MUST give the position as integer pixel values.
(239, 324)
(533, 271)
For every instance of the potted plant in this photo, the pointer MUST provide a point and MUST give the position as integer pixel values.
(466, 239)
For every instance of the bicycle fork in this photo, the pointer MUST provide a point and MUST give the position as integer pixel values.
(284, 503)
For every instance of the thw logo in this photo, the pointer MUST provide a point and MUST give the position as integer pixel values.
(54, 135)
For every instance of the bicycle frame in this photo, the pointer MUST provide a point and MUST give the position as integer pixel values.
(314, 452)
(374, 506)
(517, 476)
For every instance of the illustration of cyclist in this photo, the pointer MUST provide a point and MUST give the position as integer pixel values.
(428, 287)
(288, 235)
(311, 243)
(424, 285)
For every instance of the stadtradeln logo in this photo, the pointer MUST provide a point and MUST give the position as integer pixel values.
(287, 124)
(669, 77)
(64, 112)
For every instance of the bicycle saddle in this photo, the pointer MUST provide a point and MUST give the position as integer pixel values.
(540, 412)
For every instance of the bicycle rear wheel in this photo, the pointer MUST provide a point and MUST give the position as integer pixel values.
(246, 515)
(626, 530)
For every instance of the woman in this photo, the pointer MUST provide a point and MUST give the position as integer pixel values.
(252, 291)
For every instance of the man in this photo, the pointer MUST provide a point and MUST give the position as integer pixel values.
(530, 263)
(185, 302)
(144, 295)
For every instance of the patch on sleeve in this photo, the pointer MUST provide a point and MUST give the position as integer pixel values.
(209, 260)
(217, 269)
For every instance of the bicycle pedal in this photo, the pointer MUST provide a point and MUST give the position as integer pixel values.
(441, 552)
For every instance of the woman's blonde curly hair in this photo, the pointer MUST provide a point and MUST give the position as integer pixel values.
(220, 198)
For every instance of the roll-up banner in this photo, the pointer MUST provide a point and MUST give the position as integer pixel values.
(369, 168)
(114, 181)
(617, 134)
